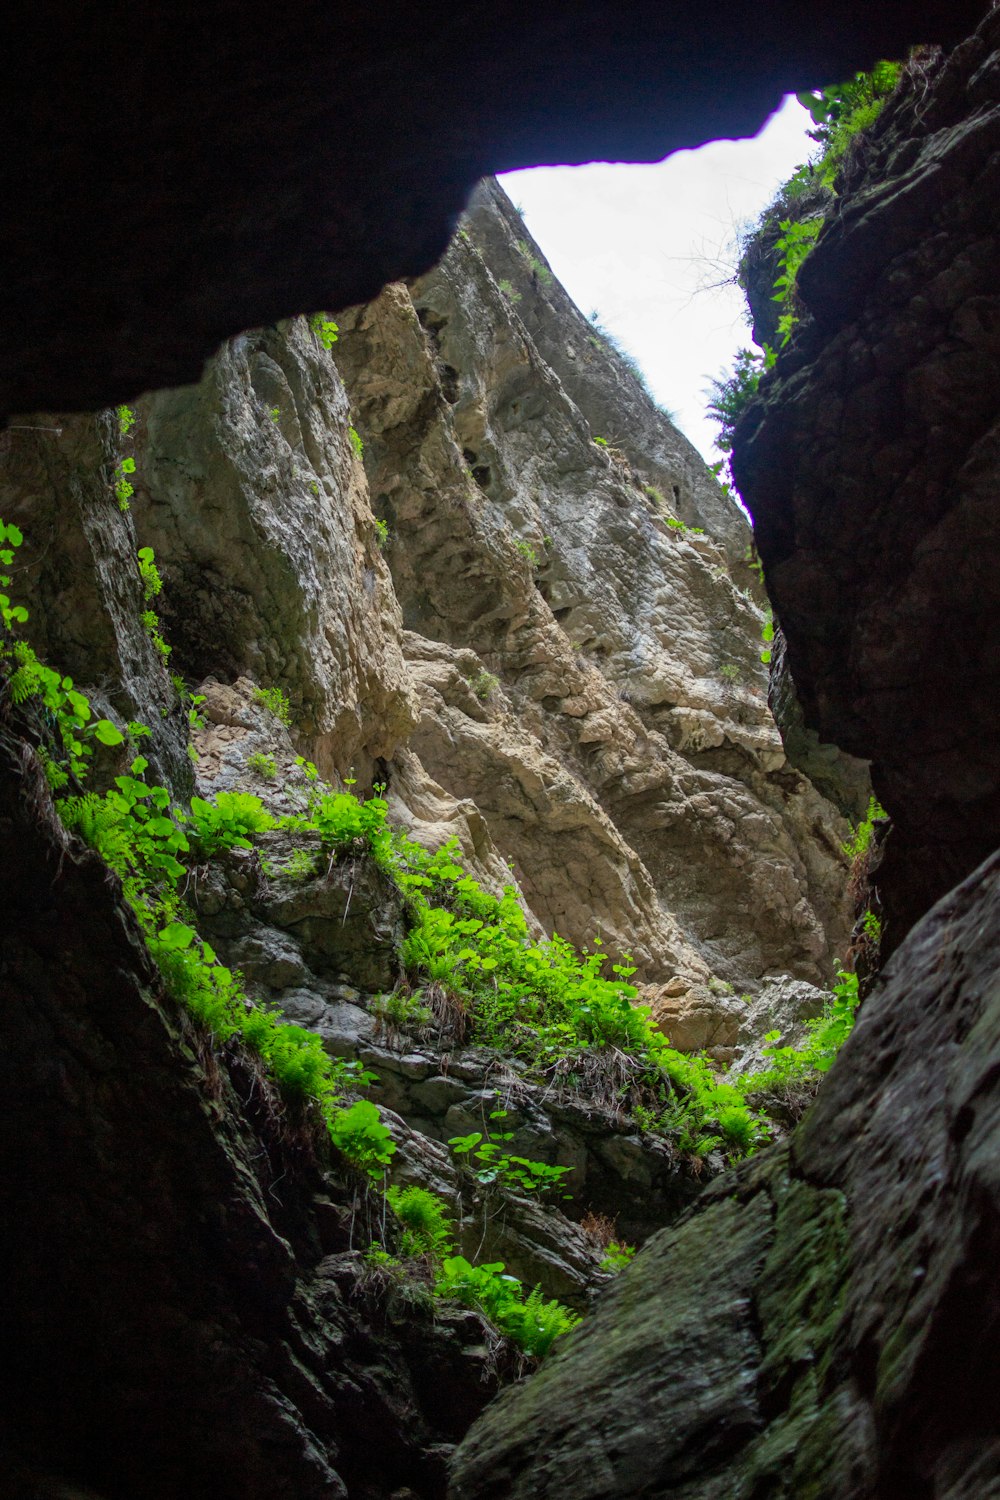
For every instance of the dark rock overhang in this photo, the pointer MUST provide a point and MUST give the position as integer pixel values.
(177, 173)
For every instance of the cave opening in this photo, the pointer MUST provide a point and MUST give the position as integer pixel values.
(545, 648)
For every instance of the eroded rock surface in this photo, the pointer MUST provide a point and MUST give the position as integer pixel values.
(825, 1321)
(589, 675)
(870, 465)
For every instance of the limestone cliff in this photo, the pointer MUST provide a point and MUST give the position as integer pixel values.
(628, 726)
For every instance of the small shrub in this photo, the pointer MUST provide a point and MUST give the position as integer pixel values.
(541, 272)
(493, 1164)
(359, 1133)
(263, 765)
(484, 685)
(126, 419)
(152, 583)
(401, 1010)
(276, 702)
(356, 443)
(381, 534)
(427, 1228)
(509, 291)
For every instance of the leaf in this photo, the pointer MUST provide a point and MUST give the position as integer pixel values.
(106, 733)
(177, 935)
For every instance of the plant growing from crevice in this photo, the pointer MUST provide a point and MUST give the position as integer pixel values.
(484, 685)
(276, 702)
(538, 269)
(325, 330)
(263, 765)
(495, 1165)
(124, 489)
(426, 1247)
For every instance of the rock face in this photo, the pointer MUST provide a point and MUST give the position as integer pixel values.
(491, 615)
(870, 464)
(588, 672)
(176, 1247)
(824, 1322)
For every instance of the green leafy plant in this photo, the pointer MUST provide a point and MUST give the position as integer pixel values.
(601, 442)
(528, 552)
(858, 846)
(124, 490)
(509, 290)
(275, 413)
(307, 768)
(401, 1011)
(324, 328)
(426, 1236)
(152, 583)
(11, 537)
(767, 636)
(493, 1164)
(484, 685)
(531, 1322)
(794, 243)
(617, 1256)
(263, 765)
(359, 1133)
(303, 864)
(228, 822)
(356, 443)
(382, 534)
(151, 586)
(276, 702)
(826, 1034)
(842, 110)
(730, 395)
(126, 419)
(428, 1229)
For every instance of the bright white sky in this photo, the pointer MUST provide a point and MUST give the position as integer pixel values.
(643, 246)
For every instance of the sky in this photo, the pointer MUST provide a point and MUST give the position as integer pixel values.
(653, 250)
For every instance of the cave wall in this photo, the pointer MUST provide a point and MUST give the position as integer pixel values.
(181, 175)
(870, 465)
